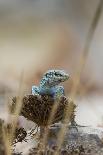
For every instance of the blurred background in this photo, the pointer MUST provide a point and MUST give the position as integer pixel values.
(37, 35)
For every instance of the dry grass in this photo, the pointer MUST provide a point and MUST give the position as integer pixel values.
(8, 138)
(85, 53)
(81, 65)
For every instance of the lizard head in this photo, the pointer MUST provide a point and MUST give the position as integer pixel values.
(54, 77)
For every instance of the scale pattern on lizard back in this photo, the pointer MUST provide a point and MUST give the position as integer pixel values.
(49, 83)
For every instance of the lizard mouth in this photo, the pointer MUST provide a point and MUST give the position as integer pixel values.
(65, 77)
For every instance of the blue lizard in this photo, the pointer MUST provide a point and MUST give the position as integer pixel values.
(49, 83)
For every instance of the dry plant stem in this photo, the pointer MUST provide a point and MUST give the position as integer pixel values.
(61, 134)
(19, 103)
(8, 138)
(7, 142)
(85, 53)
(44, 131)
(80, 69)
(42, 143)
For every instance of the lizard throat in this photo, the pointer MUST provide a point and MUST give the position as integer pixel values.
(47, 90)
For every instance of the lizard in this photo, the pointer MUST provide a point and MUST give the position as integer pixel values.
(49, 83)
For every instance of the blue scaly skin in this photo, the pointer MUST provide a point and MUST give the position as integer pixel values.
(49, 84)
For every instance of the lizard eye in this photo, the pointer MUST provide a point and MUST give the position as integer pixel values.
(46, 75)
(56, 74)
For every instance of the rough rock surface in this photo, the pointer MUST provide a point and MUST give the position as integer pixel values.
(80, 140)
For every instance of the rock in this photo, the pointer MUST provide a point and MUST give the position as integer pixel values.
(80, 140)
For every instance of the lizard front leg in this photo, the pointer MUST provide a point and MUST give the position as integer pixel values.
(35, 90)
(59, 91)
